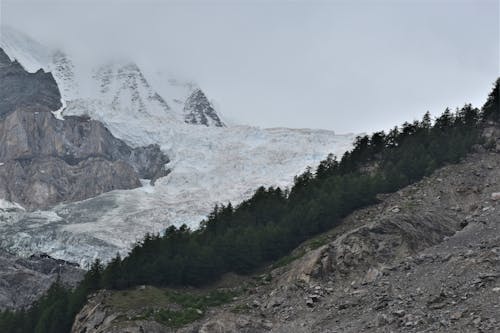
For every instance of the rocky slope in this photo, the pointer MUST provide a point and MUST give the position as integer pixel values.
(21, 89)
(24, 280)
(45, 160)
(425, 259)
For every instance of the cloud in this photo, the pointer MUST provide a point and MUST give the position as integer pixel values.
(348, 66)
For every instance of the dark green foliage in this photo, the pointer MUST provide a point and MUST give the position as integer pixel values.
(491, 108)
(273, 222)
(192, 306)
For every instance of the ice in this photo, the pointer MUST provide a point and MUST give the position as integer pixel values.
(208, 165)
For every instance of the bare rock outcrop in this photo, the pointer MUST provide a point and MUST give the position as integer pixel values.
(24, 280)
(20, 89)
(199, 111)
(45, 181)
(45, 160)
(95, 317)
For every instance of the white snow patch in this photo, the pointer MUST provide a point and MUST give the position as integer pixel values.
(58, 113)
(7, 205)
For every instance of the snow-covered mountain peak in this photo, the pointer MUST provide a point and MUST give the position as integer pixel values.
(63, 70)
(125, 87)
(118, 87)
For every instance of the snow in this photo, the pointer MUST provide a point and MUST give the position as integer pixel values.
(8, 205)
(58, 113)
(208, 165)
(28, 52)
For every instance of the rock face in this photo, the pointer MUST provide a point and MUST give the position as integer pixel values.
(198, 110)
(45, 181)
(26, 134)
(20, 89)
(24, 280)
(45, 160)
(95, 318)
(425, 259)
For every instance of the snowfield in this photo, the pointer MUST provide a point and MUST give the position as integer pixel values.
(208, 164)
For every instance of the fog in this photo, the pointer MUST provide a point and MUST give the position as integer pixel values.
(348, 66)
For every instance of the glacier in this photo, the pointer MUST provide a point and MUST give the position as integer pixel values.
(209, 164)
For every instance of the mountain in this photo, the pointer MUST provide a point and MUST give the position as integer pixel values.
(396, 236)
(400, 234)
(117, 85)
(208, 161)
(198, 110)
(45, 160)
(25, 280)
(20, 89)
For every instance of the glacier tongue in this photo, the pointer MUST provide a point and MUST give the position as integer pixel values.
(209, 164)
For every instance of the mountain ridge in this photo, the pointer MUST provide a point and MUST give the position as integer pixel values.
(207, 164)
(119, 82)
(46, 160)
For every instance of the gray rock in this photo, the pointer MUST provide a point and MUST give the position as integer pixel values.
(399, 313)
(24, 280)
(20, 89)
(25, 135)
(45, 181)
(199, 111)
(45, 160)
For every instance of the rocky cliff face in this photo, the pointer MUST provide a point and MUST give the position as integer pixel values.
(20, 89)
(24, 280)
(45, 181)
(96, 317)
(26, 134)
(426, 259)
(45, 160)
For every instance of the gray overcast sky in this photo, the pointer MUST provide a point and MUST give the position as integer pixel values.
(350, 66)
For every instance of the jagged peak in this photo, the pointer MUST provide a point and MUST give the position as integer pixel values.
(119, 83)
(199, 111)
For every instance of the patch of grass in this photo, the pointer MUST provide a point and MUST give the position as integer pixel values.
(169, 307)
(150, 297)
(313, 244)
(287, 259)
(179, 318)
(193, 306)
(201, 300)
(318, 242)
